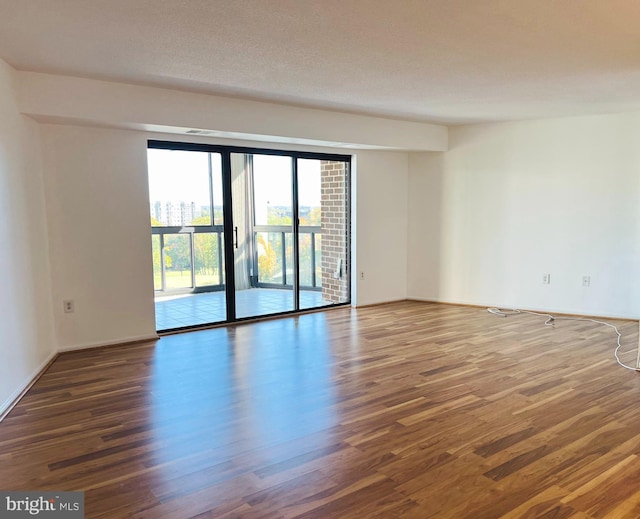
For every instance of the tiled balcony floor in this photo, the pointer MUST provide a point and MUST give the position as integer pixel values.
(210, 307)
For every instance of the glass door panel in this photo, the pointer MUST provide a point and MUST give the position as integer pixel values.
(263, 227)
(323, 236)
(185, 197)
(310, 211)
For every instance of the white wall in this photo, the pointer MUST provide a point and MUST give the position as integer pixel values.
(425, 213)
(97, 193)
(381, 227)
(27, 338)
(510, 202)
(72, 100)
(98, 215)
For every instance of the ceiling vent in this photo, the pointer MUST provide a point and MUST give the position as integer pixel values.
(201, 132)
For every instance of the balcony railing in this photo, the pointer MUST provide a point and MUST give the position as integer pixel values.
(188, 259)
(274, 256)
(191, 259)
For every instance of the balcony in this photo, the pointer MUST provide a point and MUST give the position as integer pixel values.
(182, 310)
(189, 274)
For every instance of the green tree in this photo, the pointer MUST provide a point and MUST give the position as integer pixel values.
(278, 216)
(157, 261)
(205, 249)
(177, 252)
(267, 259)
(313, 218)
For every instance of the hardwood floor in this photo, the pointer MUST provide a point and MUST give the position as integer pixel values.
(408, 409)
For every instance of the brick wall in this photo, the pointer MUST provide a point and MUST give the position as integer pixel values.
(335, 226)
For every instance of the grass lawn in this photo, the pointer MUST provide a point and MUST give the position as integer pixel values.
(182, 279)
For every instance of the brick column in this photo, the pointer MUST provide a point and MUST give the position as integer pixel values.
(333, 187)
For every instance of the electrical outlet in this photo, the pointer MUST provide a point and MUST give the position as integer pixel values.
(586, 281)
(68, 306)
(361, 275)
(546, 279)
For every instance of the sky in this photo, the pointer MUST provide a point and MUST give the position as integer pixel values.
(182, 176)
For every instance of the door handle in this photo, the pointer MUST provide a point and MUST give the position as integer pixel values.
(235, 232)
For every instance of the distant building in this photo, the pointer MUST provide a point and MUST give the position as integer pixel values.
(175, 214)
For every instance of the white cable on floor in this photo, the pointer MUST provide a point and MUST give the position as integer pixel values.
(551, 319)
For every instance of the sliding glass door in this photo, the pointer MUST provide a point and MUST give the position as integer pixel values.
(323, 209)
(187, 219)
(263, 223)
(239, 233)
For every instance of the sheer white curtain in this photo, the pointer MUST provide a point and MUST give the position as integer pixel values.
(240, 186)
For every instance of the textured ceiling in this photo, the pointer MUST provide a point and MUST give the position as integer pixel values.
(449, 61)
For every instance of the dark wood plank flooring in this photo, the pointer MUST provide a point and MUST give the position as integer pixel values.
(409, 409)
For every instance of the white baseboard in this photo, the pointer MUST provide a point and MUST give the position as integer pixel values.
(13, 397)
(377, 303)
(566, 311)
(125, 340)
